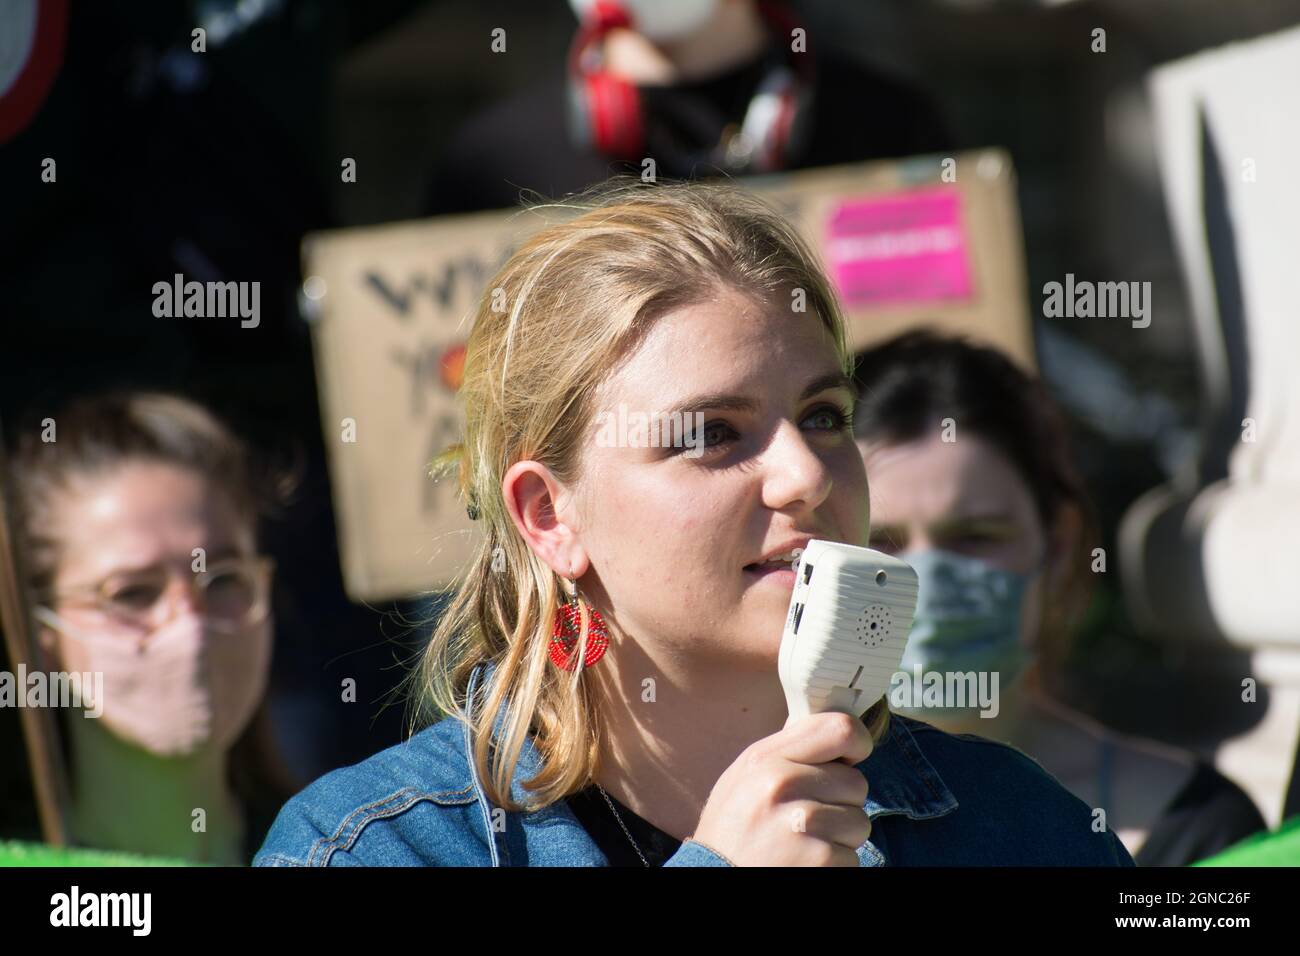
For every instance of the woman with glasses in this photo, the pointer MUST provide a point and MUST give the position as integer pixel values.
(139, 522)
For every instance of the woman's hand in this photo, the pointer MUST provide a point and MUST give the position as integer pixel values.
(794, 798)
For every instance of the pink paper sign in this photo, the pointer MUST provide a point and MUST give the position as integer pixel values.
(908, 247)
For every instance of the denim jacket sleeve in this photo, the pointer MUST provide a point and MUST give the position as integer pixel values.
(409, 805)
(694, 853)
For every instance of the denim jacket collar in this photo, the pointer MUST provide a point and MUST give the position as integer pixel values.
(901, 779)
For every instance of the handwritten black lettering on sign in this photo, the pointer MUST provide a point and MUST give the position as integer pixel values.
(450, 287)
(422, 366)
(459, 281)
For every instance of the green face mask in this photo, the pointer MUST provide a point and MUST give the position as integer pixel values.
(967, 622)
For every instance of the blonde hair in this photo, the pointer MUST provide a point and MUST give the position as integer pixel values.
(580, 295)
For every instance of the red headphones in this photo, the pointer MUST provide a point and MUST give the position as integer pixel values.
(606, 111)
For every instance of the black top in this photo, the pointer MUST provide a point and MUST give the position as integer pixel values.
(1209, 814)
(594, 814)
(524, 142)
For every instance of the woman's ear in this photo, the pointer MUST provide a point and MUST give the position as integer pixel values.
(539, 506)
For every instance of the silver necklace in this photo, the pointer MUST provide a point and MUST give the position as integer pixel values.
(622, 826)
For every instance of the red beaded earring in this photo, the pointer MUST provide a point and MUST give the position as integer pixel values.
(564, 637)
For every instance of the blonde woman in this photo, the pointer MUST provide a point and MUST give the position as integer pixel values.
(610, 690)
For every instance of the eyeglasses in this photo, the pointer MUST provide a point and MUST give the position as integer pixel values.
(230, 593)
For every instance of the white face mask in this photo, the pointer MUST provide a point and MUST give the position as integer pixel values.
(185, 688)
(659, 21)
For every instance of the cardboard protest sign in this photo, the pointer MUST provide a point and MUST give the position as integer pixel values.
(930, 240)
(391, 320)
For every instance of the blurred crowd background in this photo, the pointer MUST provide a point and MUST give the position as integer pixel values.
(217, 166)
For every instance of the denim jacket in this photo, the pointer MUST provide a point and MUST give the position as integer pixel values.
(935, 799)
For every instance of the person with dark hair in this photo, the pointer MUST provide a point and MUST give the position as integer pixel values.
(139, 518)
(973, 484)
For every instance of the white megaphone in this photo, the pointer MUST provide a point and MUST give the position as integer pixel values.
(846, 630)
